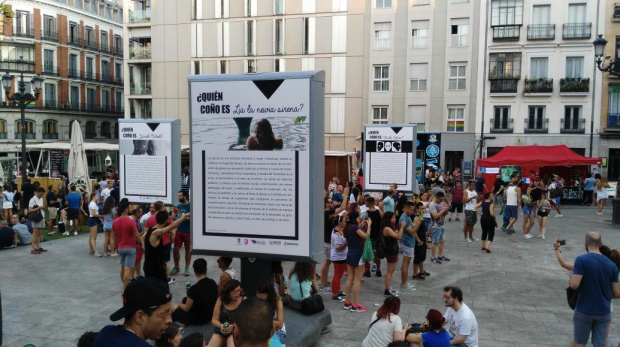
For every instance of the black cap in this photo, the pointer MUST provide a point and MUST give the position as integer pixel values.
(142, 293)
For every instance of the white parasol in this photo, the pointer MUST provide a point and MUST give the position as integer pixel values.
(78, 165)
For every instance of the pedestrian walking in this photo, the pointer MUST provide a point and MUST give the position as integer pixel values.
(470, 197)
(438, 213)
(513, 203)
(109, 237)
(528, 213)
(588, 190)
(356, 232)
(544, 207)
(556, 188)
(601, 195)
(37, 206)
(392, 238)
(127, 236)
(94, 219)
(498, 192)
(487, 221)
(7, 202)
(85, 214)
(75, 209)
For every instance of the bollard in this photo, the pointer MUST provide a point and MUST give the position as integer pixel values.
(615, 217)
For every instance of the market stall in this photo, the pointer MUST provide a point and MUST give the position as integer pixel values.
(541, 160)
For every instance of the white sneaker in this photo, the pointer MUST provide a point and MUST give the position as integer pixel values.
(97, 254)
(558, 216)
(539, 236)
(528, 236)
(66, 233)
(468, 240)
(542, 237)
(599, 213)
(75, 233)
(474, 239)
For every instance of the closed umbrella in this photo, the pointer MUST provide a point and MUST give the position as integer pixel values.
(78, 165)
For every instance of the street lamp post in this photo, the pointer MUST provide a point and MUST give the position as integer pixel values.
(613, 67)
(22, 99)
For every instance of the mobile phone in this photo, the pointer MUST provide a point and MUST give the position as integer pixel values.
(562, 242)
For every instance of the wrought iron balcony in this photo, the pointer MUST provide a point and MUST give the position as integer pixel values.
(499, 126)
(107, 78)
(506, 33)
(577, 126)
(532, 126)
(538, 86)
(504, 85)
(613, 120)
(50, 136)
(541, 32)
(104, 48)
(90, 76)
(118, 80)
(90, 136)
(74, 40)
(29, 136)
(23, 32)
(91, 44)
(575, 85)
(49, 35)
(68, 107)
(616, 10)
(74, 73)
(118, 50)
(12, 66)
(577, 31)
(50, 70)
(3, 136)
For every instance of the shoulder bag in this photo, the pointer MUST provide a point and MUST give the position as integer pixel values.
(312, 304)
(572, 295)
(35, 216)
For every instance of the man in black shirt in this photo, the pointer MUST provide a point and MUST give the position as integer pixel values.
(52, 209)
(327, 236)
(197, 307)
(27, 194)
(498, 191)
(8, 237)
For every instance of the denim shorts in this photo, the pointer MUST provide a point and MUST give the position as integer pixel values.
(527, 210)
(407, 251)
(438, 235)
(92, 221)
(128, 256)
(584, 323)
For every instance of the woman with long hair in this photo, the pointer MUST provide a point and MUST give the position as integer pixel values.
(601, 195)
(302, 284)
(265, 291)
(338, 254)
(7, 202)
(83, 220)
(171, 337)
(385, 325)
(356, 232)
(487, 221)
(435, 335)
(264, 139)
(544, 207)
(224, 313)
(93, 223)
(109, 237)
(528, 213)
(277, 277)
(392, 238)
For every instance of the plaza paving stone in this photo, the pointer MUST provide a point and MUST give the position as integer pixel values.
(517, 292)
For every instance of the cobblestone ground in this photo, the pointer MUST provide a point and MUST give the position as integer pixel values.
(517, 292)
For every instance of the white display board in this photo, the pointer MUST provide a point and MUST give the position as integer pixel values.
(389, 156)
(150, 164)
(257, 164)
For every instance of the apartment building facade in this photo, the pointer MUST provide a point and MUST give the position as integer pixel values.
(76, 46)
(609, 144)
(538, 84)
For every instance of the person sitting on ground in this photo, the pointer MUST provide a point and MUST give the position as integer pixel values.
(8, 237)
(302, 284)
(170, 338)
(87, 339)
(385, 325)
(266, 291)
(253, 326)
(146, 310)
(24, 236)
(398, 344)
(460, 320)
(196, 339)
(434, 334)
(228, 273)
(224, 314)
(197, 307)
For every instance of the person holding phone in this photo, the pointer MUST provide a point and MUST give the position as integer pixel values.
(438, 213)
(356, 231)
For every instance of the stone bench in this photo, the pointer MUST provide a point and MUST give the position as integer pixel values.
(301, 330)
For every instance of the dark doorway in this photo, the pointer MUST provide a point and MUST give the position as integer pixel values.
(613, 166)
(454, 159)
(580, 151)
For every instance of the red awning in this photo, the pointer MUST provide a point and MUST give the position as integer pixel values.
(537, 156)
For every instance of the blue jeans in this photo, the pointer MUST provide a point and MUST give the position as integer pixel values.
(584, 323)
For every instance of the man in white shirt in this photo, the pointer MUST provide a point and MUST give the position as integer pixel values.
(105, 193)
(461, 323)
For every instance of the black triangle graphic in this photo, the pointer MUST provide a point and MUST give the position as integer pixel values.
(268, 87)
(153, 126)
(396, 129)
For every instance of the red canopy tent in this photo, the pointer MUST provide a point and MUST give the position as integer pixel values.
(540, 159)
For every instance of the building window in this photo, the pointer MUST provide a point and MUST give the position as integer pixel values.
(507, 12)
(91, 130)
(105, 70)
(278, 7)
(89, 37)
(50, 129)
(89, 68)
(104, 42)
(105, 100)
(3, 129)
(279, 36)
(574, 67)
(501, 118)
(106, 130)
(459, 32)
(279, 65)
(381, 80)
(29, 126)
(118, 104)
(250, 66)
(91, 99)
(338, 74)
(23, 24)
(309, 35)
(251, 7)
(73, 66)
(249, 38)
(539, 68)
(417, 115)
(536, 118)
(339, 34)
(48, 61)
(118, 72)
(505, 66)
(613, 109)
(576, 13)
(382, 36)
(223, 67)
(49, 28)
(572, 118)
(458, 81)
(383, 3)
(74, 97)
(456, 119)
(337, 115)
(50, 95)
(417, 77)
(419, 34)
(380, 115)
(74, 34)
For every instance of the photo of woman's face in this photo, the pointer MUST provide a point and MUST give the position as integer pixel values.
(388, 146)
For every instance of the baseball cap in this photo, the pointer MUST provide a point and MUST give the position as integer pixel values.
(142, 293)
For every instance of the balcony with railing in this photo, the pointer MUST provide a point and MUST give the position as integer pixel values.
(536, 126)
(49, 35)
(118, 51)
(105, 48)
(140, 88)
(573, 126)
(90, 136)
(12, 66)
(140, 16)
(74, 40)
(574, 86)
(613, 120)
(140, 53)
(23, 32)
(68, 107)
(106, 78)
(3, 136)
(29, 136)
(541, 32)
(616, 14)
(118, 80)
(74, 73)
(538, 87)
(50, 136)
(50, 70)
(577, 31)
(504, 85)
(506, 33)
(91, 44)
(89, 75)
(499, 125)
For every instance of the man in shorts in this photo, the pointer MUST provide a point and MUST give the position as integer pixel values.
(126, 239)
(74, 199)
(407, 243)
(470, 198)
(52, 209)
(513, 201)
(438, 209)
(182, 236)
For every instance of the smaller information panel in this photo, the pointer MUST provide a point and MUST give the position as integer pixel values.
(149, 152)
(389, 156)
